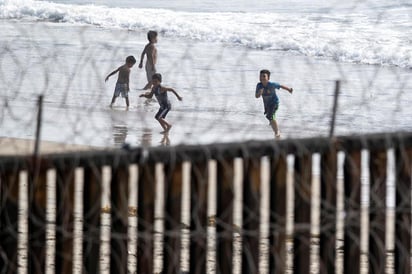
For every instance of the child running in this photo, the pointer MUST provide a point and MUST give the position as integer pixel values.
(161, 95)
(151, 53)
(267, 90)
(122, 84)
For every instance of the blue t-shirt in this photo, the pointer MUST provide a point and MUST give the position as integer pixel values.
(269, 94)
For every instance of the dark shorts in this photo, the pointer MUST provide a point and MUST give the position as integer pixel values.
(270, 112)
(163, 110)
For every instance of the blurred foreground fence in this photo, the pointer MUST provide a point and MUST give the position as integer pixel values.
(340, 205)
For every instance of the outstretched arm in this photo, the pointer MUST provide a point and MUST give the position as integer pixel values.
(147, 95)
(111, 73)
(287, 88)
(180, 98)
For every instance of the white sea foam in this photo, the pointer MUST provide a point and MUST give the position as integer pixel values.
(348, 37)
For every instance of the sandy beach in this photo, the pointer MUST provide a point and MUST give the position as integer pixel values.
(17, 146)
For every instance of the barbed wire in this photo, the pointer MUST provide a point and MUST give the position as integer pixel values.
(66, 65)
(217, 83)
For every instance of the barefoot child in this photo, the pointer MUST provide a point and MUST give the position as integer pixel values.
(151, 53)
(122, 84)
(161, 95)
(267, 90)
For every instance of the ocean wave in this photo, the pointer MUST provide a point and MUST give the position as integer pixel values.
(347, 38)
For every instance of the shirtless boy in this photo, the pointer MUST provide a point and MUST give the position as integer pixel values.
(122, 84)
(151, 54)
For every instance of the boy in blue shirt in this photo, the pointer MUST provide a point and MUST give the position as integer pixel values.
(267, 90)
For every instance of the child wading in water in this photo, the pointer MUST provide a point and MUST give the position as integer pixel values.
(151, 53)
(161, 95)
(267, 90)
(122, 84)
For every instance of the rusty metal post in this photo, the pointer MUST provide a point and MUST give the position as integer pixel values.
(173, 207)
(37, 216)
(119, 192)
(9, 199)
(224, 216)
(352, 225)
(64, 217)
(251, 215)
(277, 219)
(145, 213)
(328, 211)
(301, 237)
(92, 200)
(198, 213)
(377, 210)
(334, 109)
(403, 231)
(38, 126)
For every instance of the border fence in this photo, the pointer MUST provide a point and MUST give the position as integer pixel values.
(325, 205)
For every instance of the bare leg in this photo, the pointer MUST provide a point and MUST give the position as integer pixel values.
(113, 100)
(168, 126)
(160, 120)
(165, 125)
(275, 128)
(127, 102)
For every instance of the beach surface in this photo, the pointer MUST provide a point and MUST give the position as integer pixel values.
(67, 64)
(16, 146)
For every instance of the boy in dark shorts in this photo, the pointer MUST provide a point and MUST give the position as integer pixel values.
(267, 90)
(122, 84)
(160, 93)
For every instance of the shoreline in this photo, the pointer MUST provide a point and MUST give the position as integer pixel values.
(75, 108)
(19, 146)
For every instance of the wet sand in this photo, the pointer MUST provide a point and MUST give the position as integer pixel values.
(17, 146)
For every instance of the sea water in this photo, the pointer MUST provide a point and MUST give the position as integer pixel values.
(211, 53)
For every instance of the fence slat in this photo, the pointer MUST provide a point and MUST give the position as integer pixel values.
(251, 215)
(403, 211)
(9, 198)
(37, 218)
(352, 222)
(145, 213)
(277, 219)
(301, 237)
(173, 206)
(64, 218)
(328, 211)
(377, 211)
(92, 200)
(119, 190)
(224, 216)
(198, 224)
